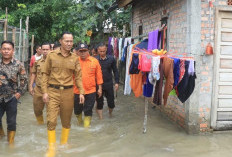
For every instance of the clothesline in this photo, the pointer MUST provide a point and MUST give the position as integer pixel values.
(144, 51)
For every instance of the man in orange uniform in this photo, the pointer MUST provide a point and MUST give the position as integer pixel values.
(57, 88)
(91, 75)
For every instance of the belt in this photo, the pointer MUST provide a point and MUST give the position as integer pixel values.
(60, 87)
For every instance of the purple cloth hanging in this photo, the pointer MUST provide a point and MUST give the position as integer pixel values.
(110, 48)
(153, 40)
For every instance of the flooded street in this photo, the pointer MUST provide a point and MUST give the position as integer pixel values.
(119, 136)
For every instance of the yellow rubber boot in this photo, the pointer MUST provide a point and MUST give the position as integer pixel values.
(40, 120)
(10, 137)
(87, 121)
(51, 152)
(64, 136)
(79, 119)
(1, 132)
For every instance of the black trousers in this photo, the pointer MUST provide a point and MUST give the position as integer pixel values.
(87, 107)
(108, 92)
(10, 108)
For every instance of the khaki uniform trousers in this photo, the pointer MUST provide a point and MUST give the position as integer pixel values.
(38, 101)
(61, 101)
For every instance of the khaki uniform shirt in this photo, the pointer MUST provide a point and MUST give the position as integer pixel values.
(37, 67)
(59, 70)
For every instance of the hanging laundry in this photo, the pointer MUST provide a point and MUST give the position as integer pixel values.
(168, 74)
(147, 87)
(143, 44)
(191, 68)
(187, 84)
(154, 73)
(136, 84)
(110, 48)
(123, 59)
(157, 99)
(176, 71)
(127, 88)
(127, 41)
(153, 40)
(145, 63)
(182, 69)
(116, 47)
(134, 64)
(120, 48)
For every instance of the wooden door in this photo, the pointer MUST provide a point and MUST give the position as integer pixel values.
(221, 117)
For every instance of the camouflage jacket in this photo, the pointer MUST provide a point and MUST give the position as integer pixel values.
(13, 79)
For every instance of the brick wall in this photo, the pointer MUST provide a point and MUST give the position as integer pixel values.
(195, 113)
(148, 14)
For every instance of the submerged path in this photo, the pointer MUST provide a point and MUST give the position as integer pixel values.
(119, 136)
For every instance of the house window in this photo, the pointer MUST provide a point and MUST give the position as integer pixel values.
(229, 2)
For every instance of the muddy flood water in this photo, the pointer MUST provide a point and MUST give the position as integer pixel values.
(119, 136)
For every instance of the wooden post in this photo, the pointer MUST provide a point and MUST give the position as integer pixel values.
(5, 26)
(27, 24)
(24, 45)
(20, 38)
(13, 35)
(32, 45)
(145, 115)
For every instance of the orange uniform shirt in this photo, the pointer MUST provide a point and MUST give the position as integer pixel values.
(91, 75)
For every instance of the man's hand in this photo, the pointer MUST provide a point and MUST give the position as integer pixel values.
(31, 90)
(99, 92)
(116, 86)
(45, 98)
(82, 99)
(17, 95)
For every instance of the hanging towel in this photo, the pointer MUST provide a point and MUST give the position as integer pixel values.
(153, 40)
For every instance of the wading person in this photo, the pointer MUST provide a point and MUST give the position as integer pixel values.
(36, 57)
(91, 75)
(57, 85)
(36, 76)
(11, 88)
(108, 65)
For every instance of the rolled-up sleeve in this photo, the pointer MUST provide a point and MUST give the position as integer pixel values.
(78, 77)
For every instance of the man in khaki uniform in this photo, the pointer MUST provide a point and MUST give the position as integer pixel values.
(57, 87)
(36, 76)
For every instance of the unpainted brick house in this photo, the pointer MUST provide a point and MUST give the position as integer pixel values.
(192, 24)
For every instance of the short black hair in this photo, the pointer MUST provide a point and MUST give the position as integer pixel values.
(46, 43)
(56, 44)
(8, 42)
(66, 32)
(37, 46)
(100, 45)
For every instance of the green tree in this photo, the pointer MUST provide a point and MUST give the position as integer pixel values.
(49, 18)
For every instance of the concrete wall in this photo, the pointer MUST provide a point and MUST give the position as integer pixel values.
(189, 31)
